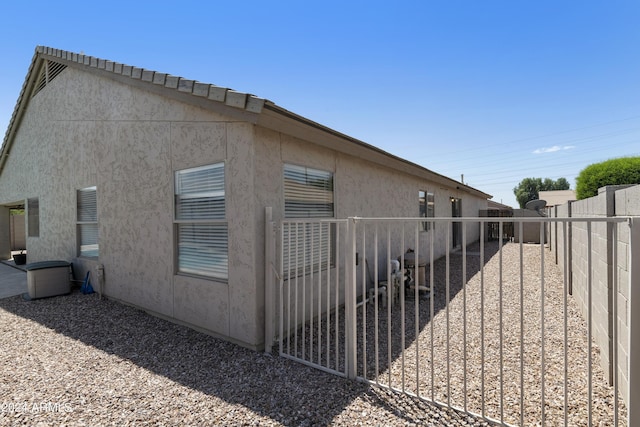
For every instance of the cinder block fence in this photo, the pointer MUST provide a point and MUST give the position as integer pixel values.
(614, 276)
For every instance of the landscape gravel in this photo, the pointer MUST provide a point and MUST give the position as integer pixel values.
(495, 318)
(81, 360)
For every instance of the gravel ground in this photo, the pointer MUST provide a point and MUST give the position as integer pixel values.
(441, 376)
(79, 360)
(503, 340)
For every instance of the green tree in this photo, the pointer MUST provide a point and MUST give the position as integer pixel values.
(620, 171)
(529, 188)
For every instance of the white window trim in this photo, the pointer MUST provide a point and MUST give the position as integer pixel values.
(317, 192)
(184, 271)
(314, 234)
(80, 223)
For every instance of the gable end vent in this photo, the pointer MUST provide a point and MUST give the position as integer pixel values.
(49, 72)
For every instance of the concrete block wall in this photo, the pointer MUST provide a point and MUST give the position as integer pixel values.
(623, 308)
(610, 283)
(530, 230)
(559, 234)
(627, 203)
(600, 272)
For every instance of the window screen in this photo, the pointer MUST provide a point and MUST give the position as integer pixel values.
(308, 193)
(202, 231)
(87, 211)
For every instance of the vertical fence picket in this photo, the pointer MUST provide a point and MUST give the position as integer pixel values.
(312, 227)
(447, 298)
(633, 336)
(522, 334)
(589, 327)
(542, 338)
(337, 298)
(325, 314)
(565, 315)
(416, 303)
(296, 287)
(483, 411)
(363, 290)
(431, 308)
(328, 296)
(615, 323)
(350, 302)
(501, 326)
(464, 316)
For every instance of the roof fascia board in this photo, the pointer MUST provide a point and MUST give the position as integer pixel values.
(279, 119)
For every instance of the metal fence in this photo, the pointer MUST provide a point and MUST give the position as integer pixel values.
(488, 328)
(311, 293)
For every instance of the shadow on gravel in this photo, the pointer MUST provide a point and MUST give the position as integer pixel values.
(441, 297)
(285, 391)
(313, 346)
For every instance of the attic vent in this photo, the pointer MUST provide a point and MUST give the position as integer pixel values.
(49, 72)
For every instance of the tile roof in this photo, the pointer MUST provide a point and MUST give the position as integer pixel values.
(250, 106)
(228, 96)
(237, 100)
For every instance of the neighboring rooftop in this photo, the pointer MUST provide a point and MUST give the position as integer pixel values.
(557, 197)
(493, 205)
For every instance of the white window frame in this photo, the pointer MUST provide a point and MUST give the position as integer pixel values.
(87, 222)
(303, 197)
(201, 227)
(306, 196)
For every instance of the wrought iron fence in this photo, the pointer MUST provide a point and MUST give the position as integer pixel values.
(490, 328)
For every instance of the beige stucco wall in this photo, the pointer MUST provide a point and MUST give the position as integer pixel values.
(360, 189)
(84, 130)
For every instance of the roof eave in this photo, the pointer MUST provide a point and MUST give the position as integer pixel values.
(239, 105)
(243, 106)
(279, 119)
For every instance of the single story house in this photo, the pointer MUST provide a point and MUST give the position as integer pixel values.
(163, 181)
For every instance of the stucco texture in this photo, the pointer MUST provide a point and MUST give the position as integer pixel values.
(83, 130)
(124, 136)
(360, 189)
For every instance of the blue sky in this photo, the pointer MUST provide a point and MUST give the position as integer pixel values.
(495, 90)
